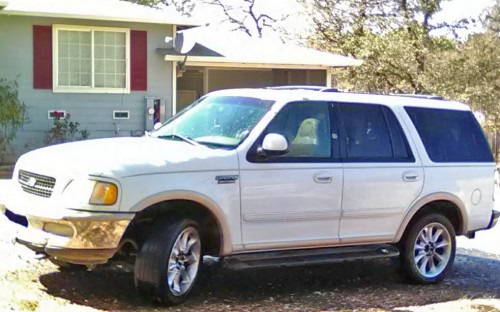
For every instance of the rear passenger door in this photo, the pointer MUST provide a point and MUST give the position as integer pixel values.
(382, 177)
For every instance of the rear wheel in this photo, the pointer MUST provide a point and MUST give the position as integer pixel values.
(168, 263)
(429, 249)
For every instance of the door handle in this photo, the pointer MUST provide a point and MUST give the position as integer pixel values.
(410, 176)
(322, 178)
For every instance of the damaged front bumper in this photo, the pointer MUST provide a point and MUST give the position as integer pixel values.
(82, 238)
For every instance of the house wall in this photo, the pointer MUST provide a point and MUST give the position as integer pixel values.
(93, 111)
(236, 78)
(256, 78)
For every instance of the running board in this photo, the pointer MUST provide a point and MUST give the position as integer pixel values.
(308, 256)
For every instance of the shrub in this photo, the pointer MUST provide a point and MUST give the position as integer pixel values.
(12, 114)
(65, 130)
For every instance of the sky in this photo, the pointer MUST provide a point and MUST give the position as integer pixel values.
(452, 10)
(455, 10)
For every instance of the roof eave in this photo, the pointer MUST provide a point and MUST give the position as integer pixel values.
(98, 18)
(224, 62)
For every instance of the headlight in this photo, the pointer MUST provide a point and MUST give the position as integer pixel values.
(104, 193)
(84, 192)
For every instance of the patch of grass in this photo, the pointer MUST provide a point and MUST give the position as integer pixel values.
(484, 308)
(28, 305)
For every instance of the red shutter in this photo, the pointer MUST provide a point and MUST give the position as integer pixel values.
(138, 60)
(42, 57)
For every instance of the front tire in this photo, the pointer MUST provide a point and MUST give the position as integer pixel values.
(168, 263)
(429, 249)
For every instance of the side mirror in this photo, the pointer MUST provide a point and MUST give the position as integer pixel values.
(275, 144)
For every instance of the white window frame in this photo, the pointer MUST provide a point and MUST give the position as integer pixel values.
(121, 111)
(52, 111)
(75, 89)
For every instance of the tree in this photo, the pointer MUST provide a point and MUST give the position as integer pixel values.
(247, 16)
(393, 38)
(185, 7)
(492, 20)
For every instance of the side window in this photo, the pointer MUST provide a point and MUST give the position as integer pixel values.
(400, 148)
(372, 134)
(450, 135)
(306, 126)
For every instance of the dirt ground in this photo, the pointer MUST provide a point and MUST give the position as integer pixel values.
(30, 283)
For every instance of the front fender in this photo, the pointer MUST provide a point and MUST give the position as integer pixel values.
(199, 198)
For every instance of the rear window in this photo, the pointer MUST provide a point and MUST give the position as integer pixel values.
(450, 135)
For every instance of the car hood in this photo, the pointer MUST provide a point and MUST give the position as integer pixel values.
(124, 157)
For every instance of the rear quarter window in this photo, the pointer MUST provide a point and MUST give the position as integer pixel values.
(450, 135)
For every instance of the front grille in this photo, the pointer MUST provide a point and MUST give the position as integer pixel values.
(36, 184)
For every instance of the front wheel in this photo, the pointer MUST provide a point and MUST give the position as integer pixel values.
(429, 249)
(168, 263)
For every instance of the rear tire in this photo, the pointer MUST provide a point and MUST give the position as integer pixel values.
(168, 264)
(428, 250)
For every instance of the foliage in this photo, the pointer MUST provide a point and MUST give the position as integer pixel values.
(471, 73)
(65, 130)
(492, 20)
(393, 38)
(12, 114)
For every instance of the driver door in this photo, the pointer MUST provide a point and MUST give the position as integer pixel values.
(294, 199)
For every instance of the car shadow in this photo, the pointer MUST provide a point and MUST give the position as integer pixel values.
(348, 285)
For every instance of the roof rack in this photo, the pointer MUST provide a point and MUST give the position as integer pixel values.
(309, 88)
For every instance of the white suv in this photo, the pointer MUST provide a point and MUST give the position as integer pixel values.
(264, 177)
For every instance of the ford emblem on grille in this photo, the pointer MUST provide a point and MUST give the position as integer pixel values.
(31, 182)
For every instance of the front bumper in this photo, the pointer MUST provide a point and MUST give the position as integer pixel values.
(92, 239)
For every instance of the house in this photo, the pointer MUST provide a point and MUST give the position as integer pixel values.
(111, 65)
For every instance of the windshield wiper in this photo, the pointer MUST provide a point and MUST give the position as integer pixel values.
(178, 136)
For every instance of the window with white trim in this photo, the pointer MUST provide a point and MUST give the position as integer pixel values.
(91, 59)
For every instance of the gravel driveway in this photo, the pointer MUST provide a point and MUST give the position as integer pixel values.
(31, 284)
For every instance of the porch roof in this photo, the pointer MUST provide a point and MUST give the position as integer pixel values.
(229, 48)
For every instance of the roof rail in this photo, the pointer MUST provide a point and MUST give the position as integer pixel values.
(309, 88)
(421, 96)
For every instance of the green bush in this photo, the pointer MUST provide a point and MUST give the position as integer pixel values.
(12, 114)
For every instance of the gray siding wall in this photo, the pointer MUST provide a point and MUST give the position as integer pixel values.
(93, 111)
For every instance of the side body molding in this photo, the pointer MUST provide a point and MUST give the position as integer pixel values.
(426, 200)
(199, 198)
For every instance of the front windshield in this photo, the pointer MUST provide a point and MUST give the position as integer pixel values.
(219, 121)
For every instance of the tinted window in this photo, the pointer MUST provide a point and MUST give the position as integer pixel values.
(450, 136)
(306, 126)
(372, 133)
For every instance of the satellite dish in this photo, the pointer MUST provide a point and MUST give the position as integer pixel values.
(184, 42)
